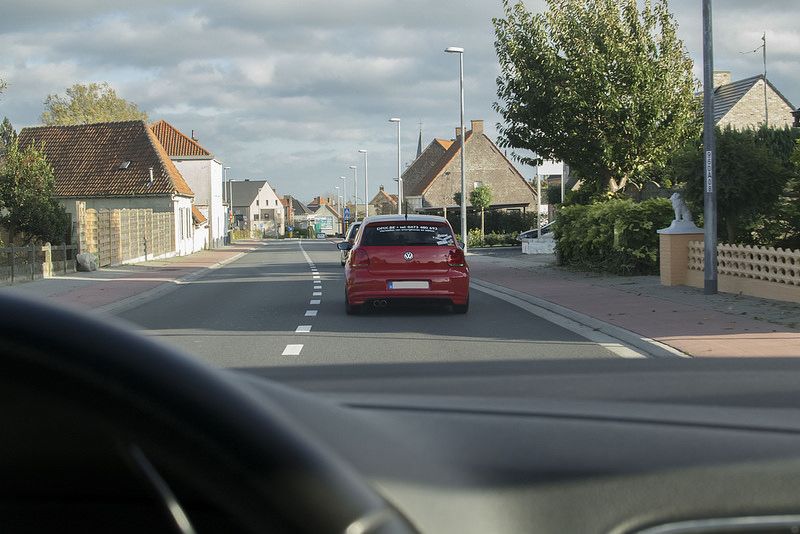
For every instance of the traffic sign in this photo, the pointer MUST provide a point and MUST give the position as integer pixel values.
(290, 228)
(347, 214)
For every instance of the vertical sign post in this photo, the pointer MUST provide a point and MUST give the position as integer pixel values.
(709, 150)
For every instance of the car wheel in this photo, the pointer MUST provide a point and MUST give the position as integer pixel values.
(461, 308)
(350, 309)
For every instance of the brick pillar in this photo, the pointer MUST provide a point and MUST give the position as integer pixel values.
(674, 256)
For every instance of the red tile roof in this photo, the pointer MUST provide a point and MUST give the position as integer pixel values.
(198, 216)
(176, 143)
(89, 160)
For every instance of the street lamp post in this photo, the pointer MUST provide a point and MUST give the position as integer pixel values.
(460, 52)
(709, 148)
(366, 183)
(355, 191)
(399, 170)
(344, 197)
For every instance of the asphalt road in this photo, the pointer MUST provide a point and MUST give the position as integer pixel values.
(253, 313)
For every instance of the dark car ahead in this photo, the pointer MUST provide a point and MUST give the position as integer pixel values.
(408, 258)
(351, 237)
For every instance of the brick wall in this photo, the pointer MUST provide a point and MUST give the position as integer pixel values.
(749, 111)
(486, 164)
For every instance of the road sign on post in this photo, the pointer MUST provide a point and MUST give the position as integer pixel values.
(347, 214)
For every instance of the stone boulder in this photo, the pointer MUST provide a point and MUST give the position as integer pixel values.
(86, 262)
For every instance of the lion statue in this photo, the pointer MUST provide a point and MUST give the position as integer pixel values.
(682, 213)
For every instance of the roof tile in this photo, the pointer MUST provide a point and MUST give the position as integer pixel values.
(176, 143)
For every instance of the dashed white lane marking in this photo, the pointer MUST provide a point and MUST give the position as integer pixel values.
(316, 294)
(317, 287)
(313, 302)
(316, 277)
(311, 313)
(292, 350)
(303, 328)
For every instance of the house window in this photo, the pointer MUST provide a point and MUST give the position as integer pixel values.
(257, 202)
(255, 217)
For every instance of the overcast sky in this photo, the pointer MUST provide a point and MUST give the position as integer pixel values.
(289, 90)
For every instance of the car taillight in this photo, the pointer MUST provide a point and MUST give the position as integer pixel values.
(359, 258)
(456, 258)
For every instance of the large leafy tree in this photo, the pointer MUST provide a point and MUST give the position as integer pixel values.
(598, 84)
(85, 104)
(7, 134)
(751, 177)
(481, 198)
(26, 187)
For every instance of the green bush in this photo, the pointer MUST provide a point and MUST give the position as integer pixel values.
(617, 236)
(496, 221)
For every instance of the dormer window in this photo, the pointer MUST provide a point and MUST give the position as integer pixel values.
(124, 165)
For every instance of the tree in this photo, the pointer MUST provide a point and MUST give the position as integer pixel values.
(481, 198)
(7, 134)
(750, 180)
(597, 84)
(84, 104)
(26, 188)
(457, 198)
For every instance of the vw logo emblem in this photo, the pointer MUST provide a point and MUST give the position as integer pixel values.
(408, 256)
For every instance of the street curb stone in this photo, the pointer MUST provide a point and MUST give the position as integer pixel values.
(649, 346)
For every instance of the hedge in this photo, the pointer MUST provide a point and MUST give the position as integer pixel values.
(617, 236)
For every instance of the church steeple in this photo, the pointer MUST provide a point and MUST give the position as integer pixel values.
(419, 143)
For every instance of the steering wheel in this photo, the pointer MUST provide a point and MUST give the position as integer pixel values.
(247, 457)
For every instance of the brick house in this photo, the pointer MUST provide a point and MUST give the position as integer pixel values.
(118, 165)
(383, 203)
(434, 177)
(740, 104)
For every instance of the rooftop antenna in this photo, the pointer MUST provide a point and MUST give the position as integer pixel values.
(763, 49)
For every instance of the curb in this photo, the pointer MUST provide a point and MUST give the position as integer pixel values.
(648, 346)
(133, 301)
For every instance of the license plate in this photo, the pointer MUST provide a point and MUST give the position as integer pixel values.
(409, 284)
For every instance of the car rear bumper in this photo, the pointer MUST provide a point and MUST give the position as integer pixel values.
(363, 286)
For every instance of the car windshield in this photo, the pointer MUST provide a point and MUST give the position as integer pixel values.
(193, 170)
(402, 234)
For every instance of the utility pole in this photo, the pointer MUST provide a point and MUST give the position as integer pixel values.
(764, 57)
(709, 152)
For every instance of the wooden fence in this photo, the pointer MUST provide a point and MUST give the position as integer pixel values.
(125, 235)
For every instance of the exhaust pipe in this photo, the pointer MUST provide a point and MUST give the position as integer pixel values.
(379, 303)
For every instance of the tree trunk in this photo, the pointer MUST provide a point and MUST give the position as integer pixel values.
(730, 229)
(482, 234)
(614, 186)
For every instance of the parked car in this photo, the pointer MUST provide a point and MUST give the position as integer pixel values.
(351, 236)
(531, 234)
(405, 258)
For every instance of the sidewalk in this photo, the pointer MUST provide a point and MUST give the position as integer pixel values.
(113, 288)
(682, 317)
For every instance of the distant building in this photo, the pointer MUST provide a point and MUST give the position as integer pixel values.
(257, 207)
(326, 219)
(383, 203)
(740, 104)
(431, 181)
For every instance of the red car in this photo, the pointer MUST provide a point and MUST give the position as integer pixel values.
(405, 258)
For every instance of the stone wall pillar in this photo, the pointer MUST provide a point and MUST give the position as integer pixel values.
(674, 255)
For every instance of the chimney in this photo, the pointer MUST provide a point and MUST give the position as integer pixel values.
(458, 132)
(477, 127)
(381, 188)
(193, 137)
(721, 77)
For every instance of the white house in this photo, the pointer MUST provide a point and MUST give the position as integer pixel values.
(116, 165)
(202, 172)
(256, 206)
(326, 219)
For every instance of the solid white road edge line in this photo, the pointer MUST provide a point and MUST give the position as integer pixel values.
(607, 342)
(292, 350)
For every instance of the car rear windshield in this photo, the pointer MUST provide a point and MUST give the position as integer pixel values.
(404, 234)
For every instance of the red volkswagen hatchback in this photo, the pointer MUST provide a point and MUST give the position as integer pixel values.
(405, 257)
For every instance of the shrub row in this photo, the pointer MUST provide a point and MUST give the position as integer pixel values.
(617, 236)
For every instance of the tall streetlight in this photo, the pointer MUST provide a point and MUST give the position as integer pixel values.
(709, 147)
(338, 198)
(355, 191)
(228, 185)
(344, 196)
(460, 52)
(399, 170)
(366, 183)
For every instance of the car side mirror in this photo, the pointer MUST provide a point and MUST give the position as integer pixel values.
(460, 244)
(344, 245)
